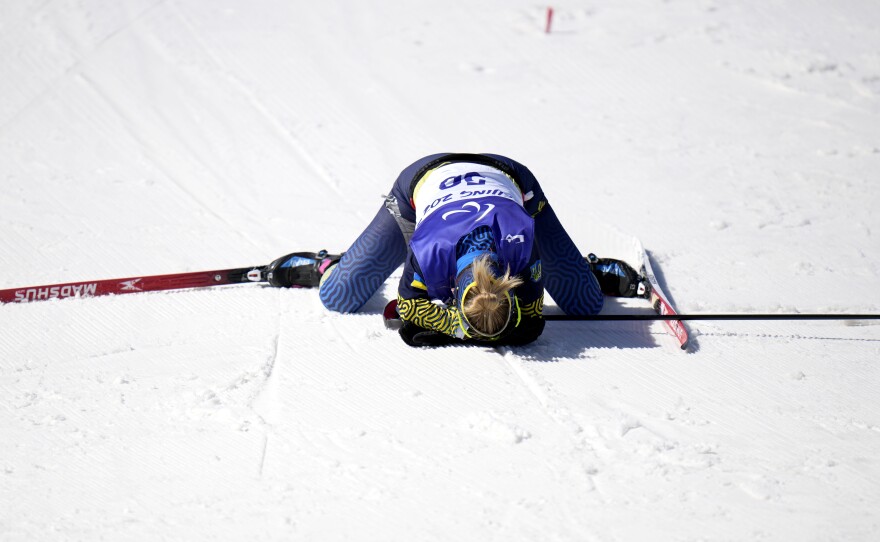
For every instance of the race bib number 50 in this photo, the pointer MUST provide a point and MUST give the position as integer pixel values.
(451, 183)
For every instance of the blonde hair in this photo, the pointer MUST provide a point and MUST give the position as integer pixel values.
(486, 306)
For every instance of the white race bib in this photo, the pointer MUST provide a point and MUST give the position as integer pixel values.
(460, 181)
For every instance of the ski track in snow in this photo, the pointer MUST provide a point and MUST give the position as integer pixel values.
(738, 142)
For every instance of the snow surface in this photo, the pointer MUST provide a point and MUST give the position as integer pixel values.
(740, 141)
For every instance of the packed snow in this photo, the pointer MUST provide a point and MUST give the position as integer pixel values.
(739, 141)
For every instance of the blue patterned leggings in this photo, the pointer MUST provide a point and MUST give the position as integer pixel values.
(381, 248)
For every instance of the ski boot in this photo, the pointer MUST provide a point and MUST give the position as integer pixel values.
(617, 278)
(301, 269)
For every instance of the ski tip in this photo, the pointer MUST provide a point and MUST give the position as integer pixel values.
(391, 317)
(677, 330)
(393, 324)
(390, 310)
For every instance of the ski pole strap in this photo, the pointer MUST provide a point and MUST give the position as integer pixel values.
(669, 317)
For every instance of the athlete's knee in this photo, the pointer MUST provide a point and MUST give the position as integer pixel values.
(339, 293)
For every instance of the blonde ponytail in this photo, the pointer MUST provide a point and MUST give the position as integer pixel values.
(486, 305)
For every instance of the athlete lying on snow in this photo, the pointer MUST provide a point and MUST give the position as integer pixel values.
(479, 244)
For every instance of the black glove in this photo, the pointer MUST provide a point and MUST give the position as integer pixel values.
(527, 331)
(414, 335)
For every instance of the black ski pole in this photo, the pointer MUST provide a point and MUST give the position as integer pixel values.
(662, 317)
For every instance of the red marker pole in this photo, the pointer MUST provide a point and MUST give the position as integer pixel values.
(549, 20)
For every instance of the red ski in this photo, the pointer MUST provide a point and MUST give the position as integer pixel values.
(660, 302)
(131, 285)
